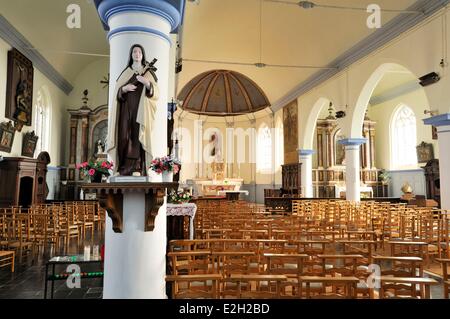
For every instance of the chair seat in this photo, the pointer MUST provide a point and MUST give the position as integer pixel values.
(6, 253)
(17, 244)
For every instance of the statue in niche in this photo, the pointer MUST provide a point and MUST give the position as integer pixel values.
(132, 115)
(217, 165)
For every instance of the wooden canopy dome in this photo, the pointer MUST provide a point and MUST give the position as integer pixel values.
(222, 92)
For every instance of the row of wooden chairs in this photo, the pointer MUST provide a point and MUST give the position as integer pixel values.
(26, 231)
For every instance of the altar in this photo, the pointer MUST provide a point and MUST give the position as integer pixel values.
(365, 191)
(207, 187)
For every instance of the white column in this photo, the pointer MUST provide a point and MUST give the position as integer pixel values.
(230, 149)
(352, 168)
(135, 263)
(305, 158)
(442, 122)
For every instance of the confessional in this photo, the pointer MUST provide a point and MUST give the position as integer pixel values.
(24, 181)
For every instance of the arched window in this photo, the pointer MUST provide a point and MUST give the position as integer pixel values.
(264, 147)
(279, 145)
(42, 120)
(403, 138)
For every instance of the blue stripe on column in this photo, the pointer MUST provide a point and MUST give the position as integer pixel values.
(108, 8)
(139, 29)
(353, 141)
(306, 152)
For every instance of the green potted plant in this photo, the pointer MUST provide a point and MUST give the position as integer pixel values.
(384, 177)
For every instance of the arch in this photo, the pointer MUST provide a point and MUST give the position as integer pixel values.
(362, 102)
(310, 127)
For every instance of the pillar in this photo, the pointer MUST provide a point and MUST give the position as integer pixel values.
(305, 158)
(135, 260)
(442, 123)
(230, 149)
(352, 167)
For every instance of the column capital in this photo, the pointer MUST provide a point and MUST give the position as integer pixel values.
(306, 152)
(439, 120)
(171, 10)
(353, 141)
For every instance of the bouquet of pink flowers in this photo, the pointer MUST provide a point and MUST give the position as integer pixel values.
(166, 163)
(93, 168)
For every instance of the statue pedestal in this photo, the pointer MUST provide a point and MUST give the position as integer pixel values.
(135, 239)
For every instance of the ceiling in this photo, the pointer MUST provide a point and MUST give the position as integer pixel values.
(394, 79)
(43, 24)
(214, 30)
(229, 30)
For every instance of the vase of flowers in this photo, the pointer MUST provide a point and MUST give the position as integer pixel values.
(166, 166)
(95, 170)
(179, 197)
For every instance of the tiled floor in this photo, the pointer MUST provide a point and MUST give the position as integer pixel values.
(28, 280)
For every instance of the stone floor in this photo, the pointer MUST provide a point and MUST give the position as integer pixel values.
(28, 280)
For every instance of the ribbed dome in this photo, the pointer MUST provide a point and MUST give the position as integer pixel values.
(222, 92)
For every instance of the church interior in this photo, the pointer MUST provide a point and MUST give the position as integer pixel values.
(256, 149)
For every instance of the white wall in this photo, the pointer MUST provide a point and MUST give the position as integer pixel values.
(418, 50)
(89, 78)
(383, 113)
(58, 103)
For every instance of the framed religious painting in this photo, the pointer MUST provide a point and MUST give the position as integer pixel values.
(29, 144)
(425, 152)
(19, 89)
(434, 132)
(7, 132)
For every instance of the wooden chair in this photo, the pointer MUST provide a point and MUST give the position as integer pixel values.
(254, 286)
(7, 259)
(405, 287)
(204, 286)
(190, 262)
(289, 265)
(347, 287)
(445, 276)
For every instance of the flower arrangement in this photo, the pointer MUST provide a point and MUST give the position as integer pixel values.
(95, 168)
(180, 196)
(165, 163)
(384, 177)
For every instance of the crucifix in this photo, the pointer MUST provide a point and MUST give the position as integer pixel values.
(105, 83)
